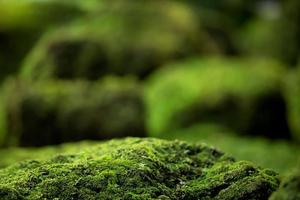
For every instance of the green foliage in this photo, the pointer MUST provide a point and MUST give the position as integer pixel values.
(289, 188)
(242, 95)
(138, 169)
(49, 112)
(116, 41)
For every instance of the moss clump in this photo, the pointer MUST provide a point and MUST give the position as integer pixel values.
(138, 169)
(289, 188)
(240, 95)
(116, 42)
(44, 113)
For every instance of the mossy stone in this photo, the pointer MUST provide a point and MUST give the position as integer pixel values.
(51, 112)
(116, 42)
(239, 95)
(292, 94)
(136, 168)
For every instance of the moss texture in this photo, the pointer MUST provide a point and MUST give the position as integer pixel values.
(242, 95)
(138, 169)
(117, 42)
(289, 188)
(254, 149)
(44, 113)
(13, 155)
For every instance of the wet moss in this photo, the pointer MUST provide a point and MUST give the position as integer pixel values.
(241, 95)
(138, 169)
(44, 113)
(289, 188)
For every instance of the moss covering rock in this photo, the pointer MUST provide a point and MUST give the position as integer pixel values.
(117, 42)
(139, 169)
(289, 188)
(13, 155)
(241, 95)
(44, 113)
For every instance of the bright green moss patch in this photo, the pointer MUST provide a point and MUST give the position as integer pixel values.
(289, 188)
(51, 112)
(138, 169)
(243, 95)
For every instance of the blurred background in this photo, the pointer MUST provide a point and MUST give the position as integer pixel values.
(227, 73)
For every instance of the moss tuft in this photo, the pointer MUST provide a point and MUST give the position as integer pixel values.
(136, 168)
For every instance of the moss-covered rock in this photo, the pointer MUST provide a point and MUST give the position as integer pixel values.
(292, 93)
(289, 188)
(44, 113)
(240, 95)
(117, 42)
(23, 22)
(139, 169)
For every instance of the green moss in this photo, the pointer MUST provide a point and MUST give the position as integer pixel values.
(138, 169)
(116, 42)
(289, 188)
(254, 149)
(232, 93)
(44, 113)
(14, 155)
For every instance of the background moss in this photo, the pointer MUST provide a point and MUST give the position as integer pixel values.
(50, 112)
(125, 43)
(240, 95)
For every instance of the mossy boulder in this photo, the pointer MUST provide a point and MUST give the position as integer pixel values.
(23, 22)
(292, 93)
(289, 188)
(53, 112)
(136, 168)
(117, 42)
(239, 95)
